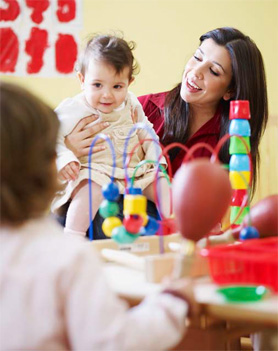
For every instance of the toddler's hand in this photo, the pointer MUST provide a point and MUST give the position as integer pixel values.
(69, 172)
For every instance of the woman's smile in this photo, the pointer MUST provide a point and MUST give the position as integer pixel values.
(192, 86)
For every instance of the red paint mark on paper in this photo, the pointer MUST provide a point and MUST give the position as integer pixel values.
(35, 47)
(38, 6)
(66, 10)
(11, 11)
(9, 45)
(66, 53)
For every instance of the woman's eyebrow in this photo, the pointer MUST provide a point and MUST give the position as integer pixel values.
(218, 64)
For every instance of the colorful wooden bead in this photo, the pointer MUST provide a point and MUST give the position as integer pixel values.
(249, 233)
(110, 191)
(121, 236)
(134, 191)
(152, 226)
(237, 146)
(240, 127)
(234, 213)
(240, 180)
(239, 109)
(133, 223)
(238, 196)
(108, 209)
(109, 224)
(239, 162)
(145, 218)
(169, 226)
(134, 204)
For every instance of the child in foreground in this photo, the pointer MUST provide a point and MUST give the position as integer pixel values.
(53, 291)
(107, 69)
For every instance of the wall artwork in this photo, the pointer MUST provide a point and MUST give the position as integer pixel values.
(39, 37)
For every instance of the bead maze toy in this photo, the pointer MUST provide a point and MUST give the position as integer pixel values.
(136, 222)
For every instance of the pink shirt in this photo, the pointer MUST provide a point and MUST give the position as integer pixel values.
(153, 106)
(54, 296)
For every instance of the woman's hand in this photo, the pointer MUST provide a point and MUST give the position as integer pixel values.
(80, 139)
(69, 172)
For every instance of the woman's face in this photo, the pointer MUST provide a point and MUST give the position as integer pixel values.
(207, 75)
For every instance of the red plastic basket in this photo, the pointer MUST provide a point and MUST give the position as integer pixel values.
(253, 261)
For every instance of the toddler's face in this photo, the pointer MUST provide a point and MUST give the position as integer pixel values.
(104, 89)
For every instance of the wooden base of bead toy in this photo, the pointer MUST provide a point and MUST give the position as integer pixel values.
(144, 255)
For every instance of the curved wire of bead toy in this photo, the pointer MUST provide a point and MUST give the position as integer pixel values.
(152, 134)
(156, 163)
(167, 224)
(106, 138)
(163, 170)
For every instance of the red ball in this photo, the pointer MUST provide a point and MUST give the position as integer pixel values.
(264, 216)
(201, 196)
(133, 223)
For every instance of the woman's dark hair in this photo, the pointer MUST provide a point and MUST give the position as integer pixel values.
(248, 83)
(111, 49)
(28, 135)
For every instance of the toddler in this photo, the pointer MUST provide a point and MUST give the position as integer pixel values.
(106, 71)
(53, 292)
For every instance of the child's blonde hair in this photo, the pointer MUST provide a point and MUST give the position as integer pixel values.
(111, 49)
(28, 133)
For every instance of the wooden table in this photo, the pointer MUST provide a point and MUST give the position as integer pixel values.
(220, 324)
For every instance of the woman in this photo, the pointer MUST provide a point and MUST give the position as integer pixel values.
(226, 66)
(193, 114)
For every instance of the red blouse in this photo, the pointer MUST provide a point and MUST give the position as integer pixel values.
(153, 105)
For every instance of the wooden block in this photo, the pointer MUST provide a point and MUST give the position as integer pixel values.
(175, 266)
(144, 245)
(158, 267)
(125, 258)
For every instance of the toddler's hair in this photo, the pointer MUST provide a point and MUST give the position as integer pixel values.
(111, 49)
(28, 136)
